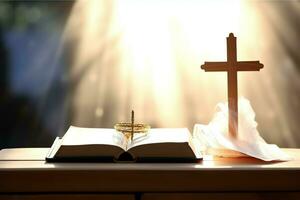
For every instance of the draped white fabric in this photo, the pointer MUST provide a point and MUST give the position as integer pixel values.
(248, 141)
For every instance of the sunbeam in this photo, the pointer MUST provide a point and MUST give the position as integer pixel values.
(146, 56)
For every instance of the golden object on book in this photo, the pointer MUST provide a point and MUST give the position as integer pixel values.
(129, 129)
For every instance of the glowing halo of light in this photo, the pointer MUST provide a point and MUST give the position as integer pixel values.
(145, 55)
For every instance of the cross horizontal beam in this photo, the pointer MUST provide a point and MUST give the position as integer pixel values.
(239, 66)
(249, 66)
(215, 66)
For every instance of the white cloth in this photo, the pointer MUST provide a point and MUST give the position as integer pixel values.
(249, 141)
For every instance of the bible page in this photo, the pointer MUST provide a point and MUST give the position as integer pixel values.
(160, 135)
(89, 136)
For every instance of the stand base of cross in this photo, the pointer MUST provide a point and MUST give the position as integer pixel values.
(225, 153)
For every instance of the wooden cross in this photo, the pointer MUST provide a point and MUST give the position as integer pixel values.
(232, 66)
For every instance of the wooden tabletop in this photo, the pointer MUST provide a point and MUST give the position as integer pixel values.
(25, 170)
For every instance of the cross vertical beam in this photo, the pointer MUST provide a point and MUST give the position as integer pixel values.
(232, 86)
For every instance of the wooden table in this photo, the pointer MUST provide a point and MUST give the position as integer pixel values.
(24, 174)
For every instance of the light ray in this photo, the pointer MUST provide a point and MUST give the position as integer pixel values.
(146, 56)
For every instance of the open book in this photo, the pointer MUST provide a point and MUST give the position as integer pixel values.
(101, 144)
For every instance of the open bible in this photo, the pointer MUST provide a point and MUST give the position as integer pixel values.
(101, 144)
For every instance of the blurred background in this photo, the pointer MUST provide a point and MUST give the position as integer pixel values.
(90, 62)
